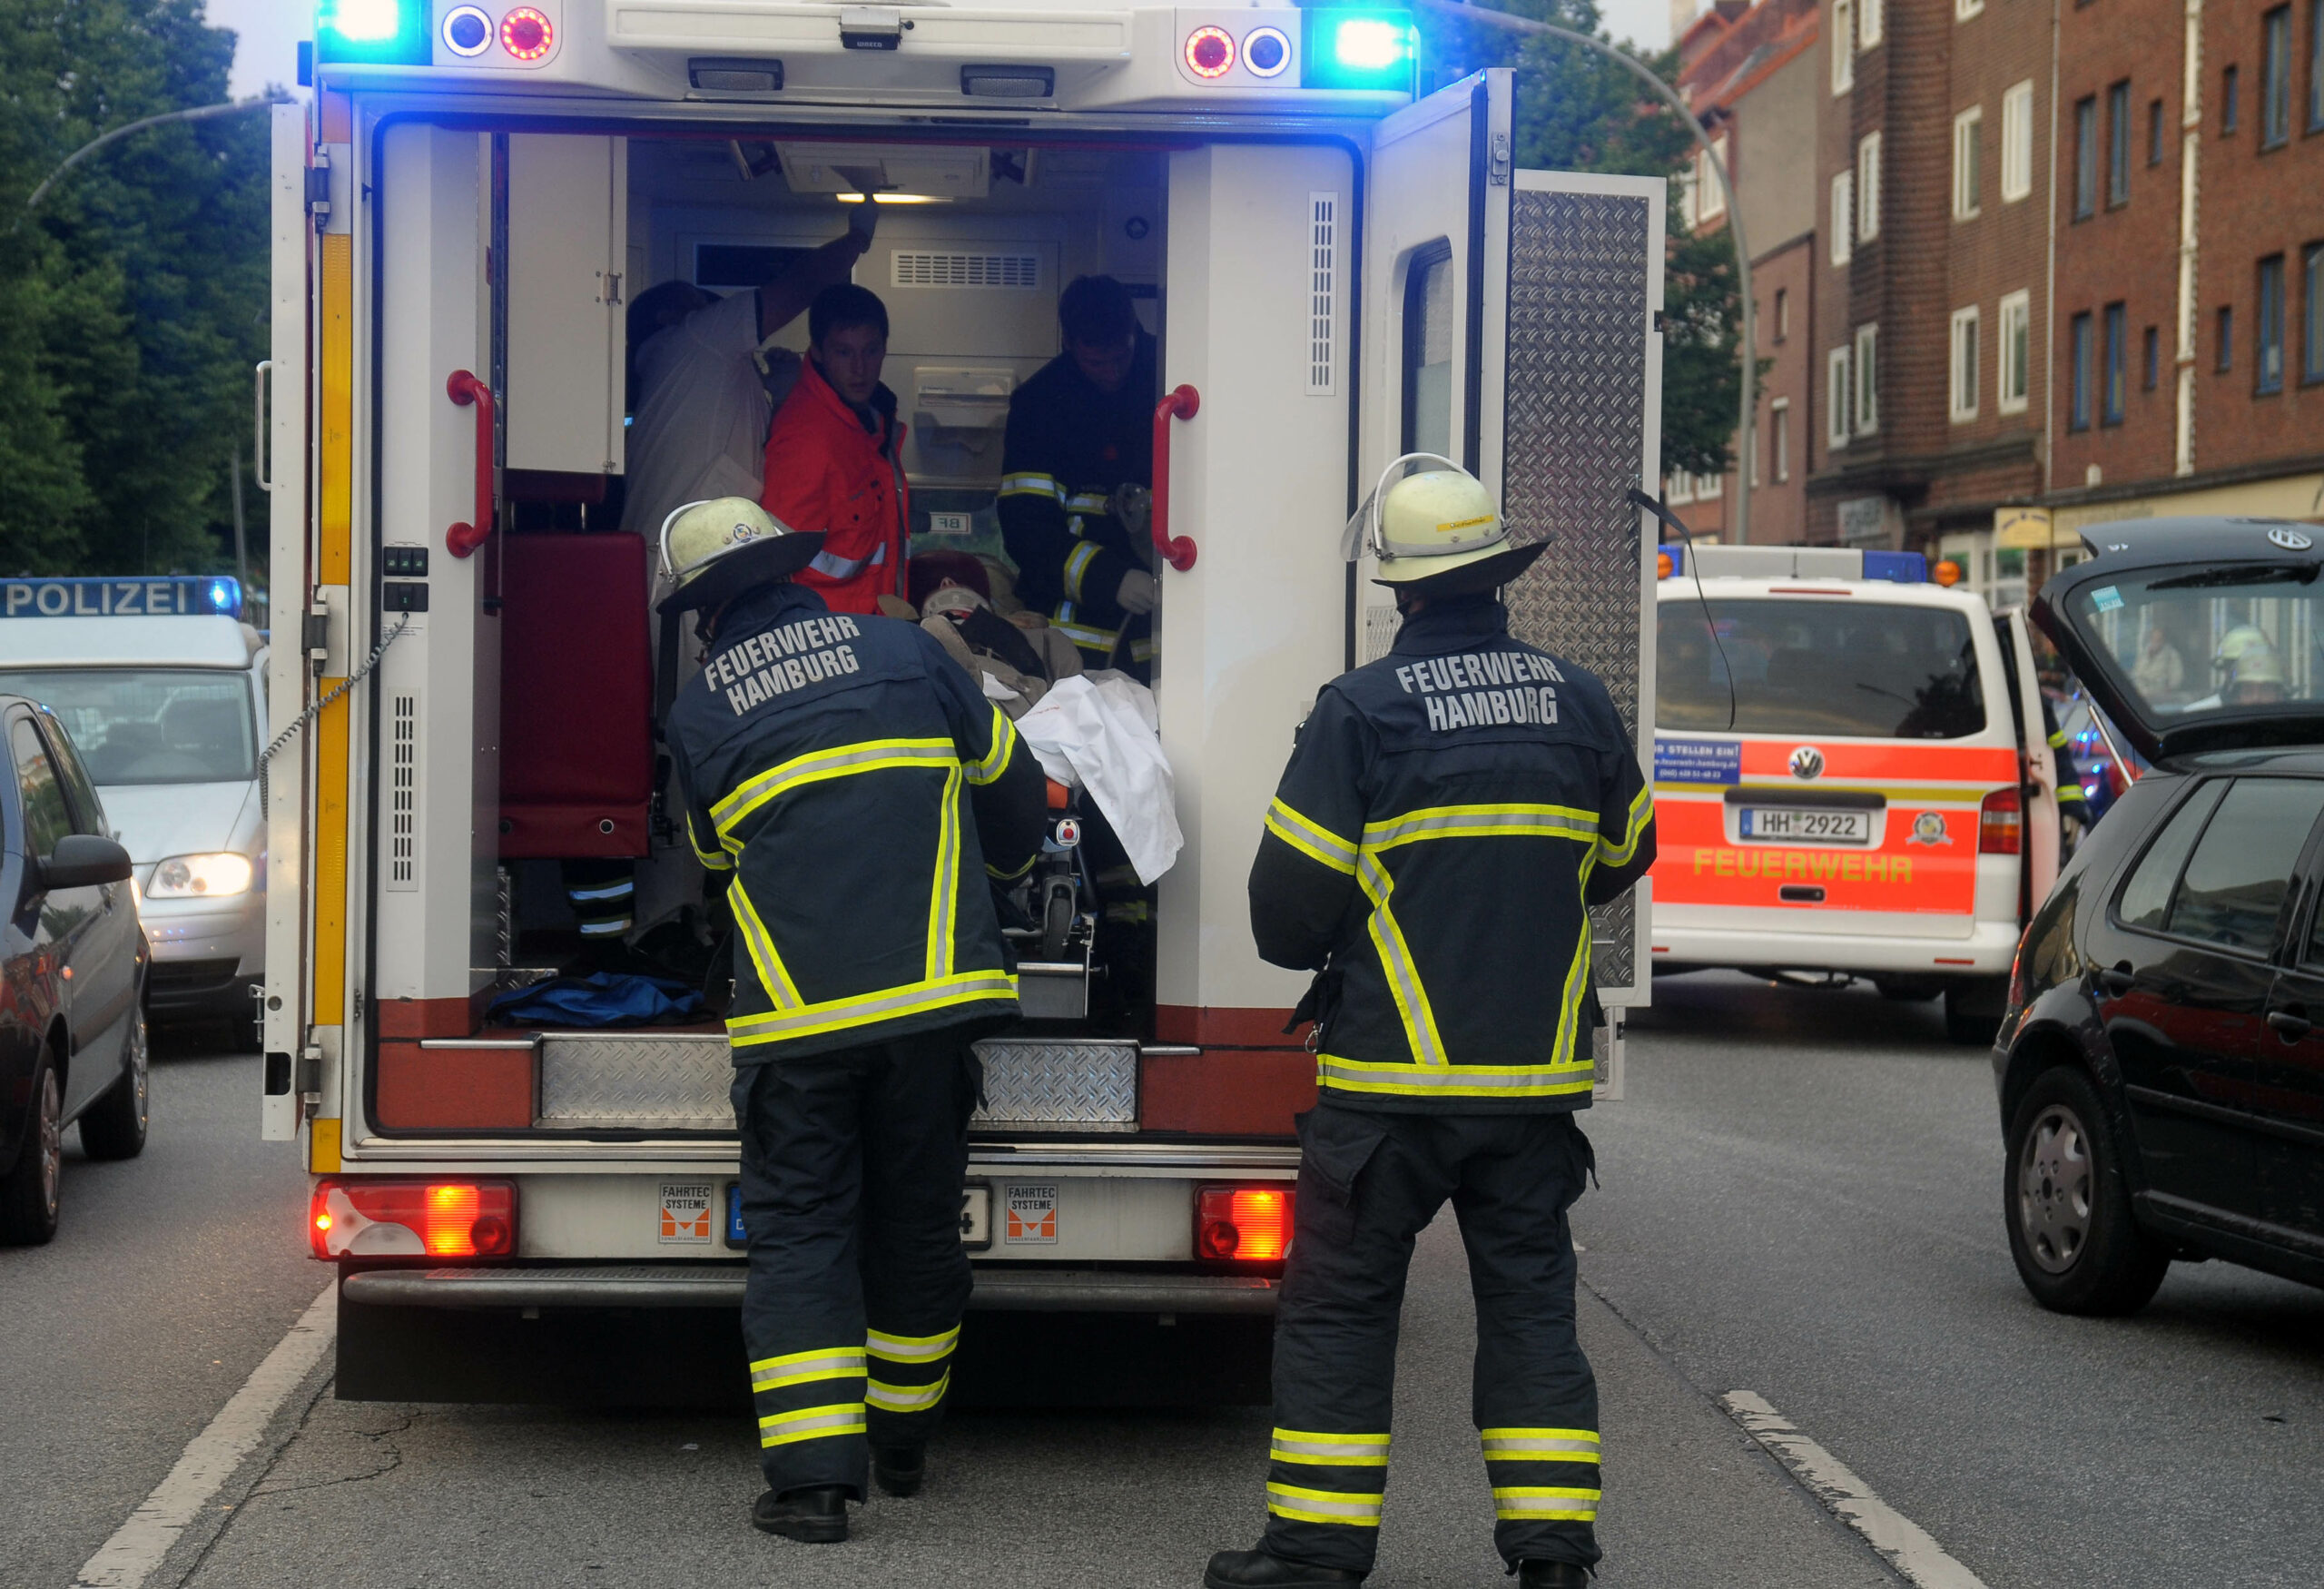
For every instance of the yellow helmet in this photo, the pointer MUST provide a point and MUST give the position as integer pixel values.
(1429, 517)
(715, 549)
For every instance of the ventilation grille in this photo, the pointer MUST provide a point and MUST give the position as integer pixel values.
(1323, 294)
(965, 270)
(1380, 626)
(403, 806)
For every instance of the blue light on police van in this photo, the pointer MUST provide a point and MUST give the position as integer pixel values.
(394, 32)
(1345, 46)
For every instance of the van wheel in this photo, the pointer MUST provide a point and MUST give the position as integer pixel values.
(29, 1194)
(2078, 1247)
(114, 1127)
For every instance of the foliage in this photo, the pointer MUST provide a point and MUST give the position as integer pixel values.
(132, 301)
(1577, 111)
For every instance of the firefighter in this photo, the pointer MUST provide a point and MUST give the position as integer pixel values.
(1075, 472)
(1449, 813)
(856, 788)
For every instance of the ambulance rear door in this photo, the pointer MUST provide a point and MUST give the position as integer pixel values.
(2038, 779)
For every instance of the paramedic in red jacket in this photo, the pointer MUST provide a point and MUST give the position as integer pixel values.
(833, 460)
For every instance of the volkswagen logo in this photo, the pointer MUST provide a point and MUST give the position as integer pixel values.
(2291, 540)
(1807, 761)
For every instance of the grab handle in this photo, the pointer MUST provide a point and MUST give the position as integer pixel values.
(1183, 403)
(259, 384)
(464, 389)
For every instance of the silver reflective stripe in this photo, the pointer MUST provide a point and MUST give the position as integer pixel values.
(803, 1367)
(1572, 1506)
(812, 1423)
(1546, 822)
(906, 1398)
(1395, 956)
(1089, 502)
(903, 1348)
(1523, 1447)
(1328, 1505)
(1353, 1450)
(858, 1012)
(1453, 1081)
(1327, 847)
(834, 567)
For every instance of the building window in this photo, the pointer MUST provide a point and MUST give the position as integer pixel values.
(1843, 46)
(1962, 10)
(1779, 438)
(2230, 100)
(2078, 360)
(1710, 197)
(2311, 299)
(1783, 313)
(2085, 158)
(1867, 380)
(2016, 373)
(2017, 142)
(2275, 77)
(2154, 128)
(2316, 65)
(1867, 186)
(1835, 400)
(2118, 144)
(2268, 342)
(1962, 403)
(2117, 381)
(2226, 338)
(2153, 359)
(1870, 18)
(1968, 147)
(1843, 216)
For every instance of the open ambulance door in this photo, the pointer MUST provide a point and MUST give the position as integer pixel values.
(2038, 778)
(1510, 322)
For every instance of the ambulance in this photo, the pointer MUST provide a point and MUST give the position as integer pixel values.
(163, 687)
(1340, 268)
(1851, 775)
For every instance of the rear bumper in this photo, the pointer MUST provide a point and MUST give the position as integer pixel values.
(1986, 952)
(720, 1285)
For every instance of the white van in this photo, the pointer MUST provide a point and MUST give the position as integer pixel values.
(163, 687)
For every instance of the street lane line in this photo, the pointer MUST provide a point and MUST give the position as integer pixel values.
(127, 1559)
(1901, 1542)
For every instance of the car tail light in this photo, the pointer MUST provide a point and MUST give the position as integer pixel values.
(1249, 1224)
(2001, 825)
(413, 1218)
(525, 33)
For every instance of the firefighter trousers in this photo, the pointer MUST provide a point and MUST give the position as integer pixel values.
(852, 1163)
(1368, 1183)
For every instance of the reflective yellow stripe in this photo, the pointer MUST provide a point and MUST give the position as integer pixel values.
(840, 762)
(911, 1348)
(773, 976)
(1465, 822)
(1089, 502)
(1316, 1450)
(1441, 1080)
(802, 1367)
(1396, 960)
(1077, 564)
(995, 872)
(1640, 817)
(1086, 637)
(907, 1398)
(996, 759)
(716, 860)
(813, 1423)
(1143, 651)
(1540, 1445)
(944, 894)
(1310, 837)
(887, 1004)
(1577, 980)
(1535, 1502)
(1355, 1510)
(1033, 485)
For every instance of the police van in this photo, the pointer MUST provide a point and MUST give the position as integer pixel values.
(1850, 774)
(164, 690)
(1340, 269)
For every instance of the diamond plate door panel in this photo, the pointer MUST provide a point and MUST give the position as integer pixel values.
(1059, 1084)
(670, 1081)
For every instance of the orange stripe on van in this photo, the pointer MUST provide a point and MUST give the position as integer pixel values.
(1889, 762)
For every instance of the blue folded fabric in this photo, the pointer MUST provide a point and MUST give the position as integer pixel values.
(599, 999)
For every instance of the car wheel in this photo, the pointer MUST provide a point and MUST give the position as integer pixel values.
(29, 1194)
(114, 1127)
(2078, 1247)
(1966, 1025)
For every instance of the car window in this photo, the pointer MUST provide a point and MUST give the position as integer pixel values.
(150, 725)
(2235, 882)
(47, 818)
(1825, 668)
(2146, 898)
(88, 811)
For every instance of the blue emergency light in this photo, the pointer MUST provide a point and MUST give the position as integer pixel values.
(168, 596)
(391, 33)
(1350, 47)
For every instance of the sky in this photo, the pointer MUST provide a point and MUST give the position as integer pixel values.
(270, 31)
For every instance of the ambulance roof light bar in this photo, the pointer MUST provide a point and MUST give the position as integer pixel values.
(389, 33)
(1351, 46)
(1719, 562)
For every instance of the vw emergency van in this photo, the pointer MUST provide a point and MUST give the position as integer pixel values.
(163, 687)
(1850, 775)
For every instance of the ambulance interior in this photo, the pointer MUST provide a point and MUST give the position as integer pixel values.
(973, 244)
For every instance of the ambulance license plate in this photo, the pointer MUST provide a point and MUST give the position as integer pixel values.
(976, 1216)
(1806, 825)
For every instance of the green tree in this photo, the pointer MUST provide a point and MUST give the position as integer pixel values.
(132, 303)
(1577, 111)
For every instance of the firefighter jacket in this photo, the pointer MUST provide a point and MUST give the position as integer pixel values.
(826, 469)
(1068, 445)
(1448, 814)
(860, 789)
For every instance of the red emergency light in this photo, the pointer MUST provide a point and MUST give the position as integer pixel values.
(525, 33)
(432, 1219)
(1210, 51)
(1245, 1224)
(2001, 824)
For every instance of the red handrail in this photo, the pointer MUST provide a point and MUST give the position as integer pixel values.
(464, 389)
(1182, 403)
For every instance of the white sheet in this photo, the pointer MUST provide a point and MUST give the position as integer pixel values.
(1100, 732)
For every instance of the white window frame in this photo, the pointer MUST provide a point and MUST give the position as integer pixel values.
(2017, 142)
(1691, 179)
(1968, 152)
(1867, 380)
(1779, 439)
(1842, 34)
(1871, 24)
(1680, 489)
(1837, 398)
(1961, 388)
(1843, 217)
(1711, 198)
(1867, 187)
(2015, 322)
(1709, 487)
(1962, 10)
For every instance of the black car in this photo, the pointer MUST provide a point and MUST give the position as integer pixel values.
(72, 975)
(2161, 1066)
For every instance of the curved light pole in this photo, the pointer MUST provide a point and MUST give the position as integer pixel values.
(199, 114)
(1638, 69)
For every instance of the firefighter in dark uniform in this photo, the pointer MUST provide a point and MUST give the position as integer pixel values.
(1077, 469)
(857, 787)
(1449, 813)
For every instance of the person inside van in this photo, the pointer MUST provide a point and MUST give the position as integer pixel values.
(834, 459)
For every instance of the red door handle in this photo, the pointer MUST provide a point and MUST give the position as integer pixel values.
(464, 389)
(1183, 403)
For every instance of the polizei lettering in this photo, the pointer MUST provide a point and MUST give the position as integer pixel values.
(779, 661)
(1482, 689)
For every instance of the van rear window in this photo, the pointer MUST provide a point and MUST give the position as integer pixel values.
(1828, 668)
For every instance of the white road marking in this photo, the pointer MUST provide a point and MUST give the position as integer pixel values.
(127, 1559)
(1902, 1542)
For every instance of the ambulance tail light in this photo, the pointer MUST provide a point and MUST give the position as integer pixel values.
(1244, 1224)
(2001, 824)
(435, 1221)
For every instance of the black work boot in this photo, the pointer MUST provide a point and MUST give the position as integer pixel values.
(1552, 1576)
(817, 1516)
(898, 1469)
(1256, 1569)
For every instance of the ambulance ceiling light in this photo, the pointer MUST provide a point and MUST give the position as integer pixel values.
(467, 32)
(525, 33)
(1265, 52)
(894, 198)
(1009, 82)
(1210, 51)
